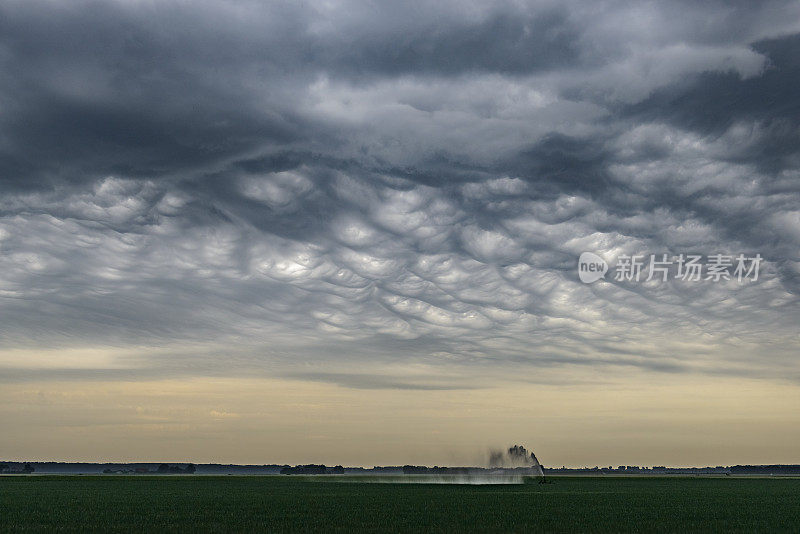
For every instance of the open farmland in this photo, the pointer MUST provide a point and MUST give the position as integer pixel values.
(267, 503)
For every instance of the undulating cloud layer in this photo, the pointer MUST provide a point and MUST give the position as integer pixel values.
(395, 196)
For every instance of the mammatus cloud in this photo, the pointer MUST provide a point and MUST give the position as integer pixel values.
(396, 199)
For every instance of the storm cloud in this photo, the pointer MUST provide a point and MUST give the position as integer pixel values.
(336, 190)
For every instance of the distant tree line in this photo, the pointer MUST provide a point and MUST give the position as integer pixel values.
(312, 469)
(163, 469)
(27, 469)
(435, 470)
(175, 470)
(776, 469)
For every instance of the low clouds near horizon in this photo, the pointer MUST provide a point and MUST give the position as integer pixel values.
(395, 197)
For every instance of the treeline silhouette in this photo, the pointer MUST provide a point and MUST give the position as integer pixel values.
(436, 470)
(163, 469)
(26, 469)
(312, 469)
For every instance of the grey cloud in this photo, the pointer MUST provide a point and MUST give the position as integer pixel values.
(511, 41)
(395, 186)
(712, 103)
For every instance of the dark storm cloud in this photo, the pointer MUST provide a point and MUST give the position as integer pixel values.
(399, 185)
(508, 42)
(711, 103)
(97, 88)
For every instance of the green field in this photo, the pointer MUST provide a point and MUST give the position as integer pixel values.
(281, 504)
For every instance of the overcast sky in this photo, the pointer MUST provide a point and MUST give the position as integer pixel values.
(366, 218)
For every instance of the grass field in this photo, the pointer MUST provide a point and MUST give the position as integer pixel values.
(281, 504)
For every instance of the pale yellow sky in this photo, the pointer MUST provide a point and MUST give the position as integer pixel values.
(632, 418)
